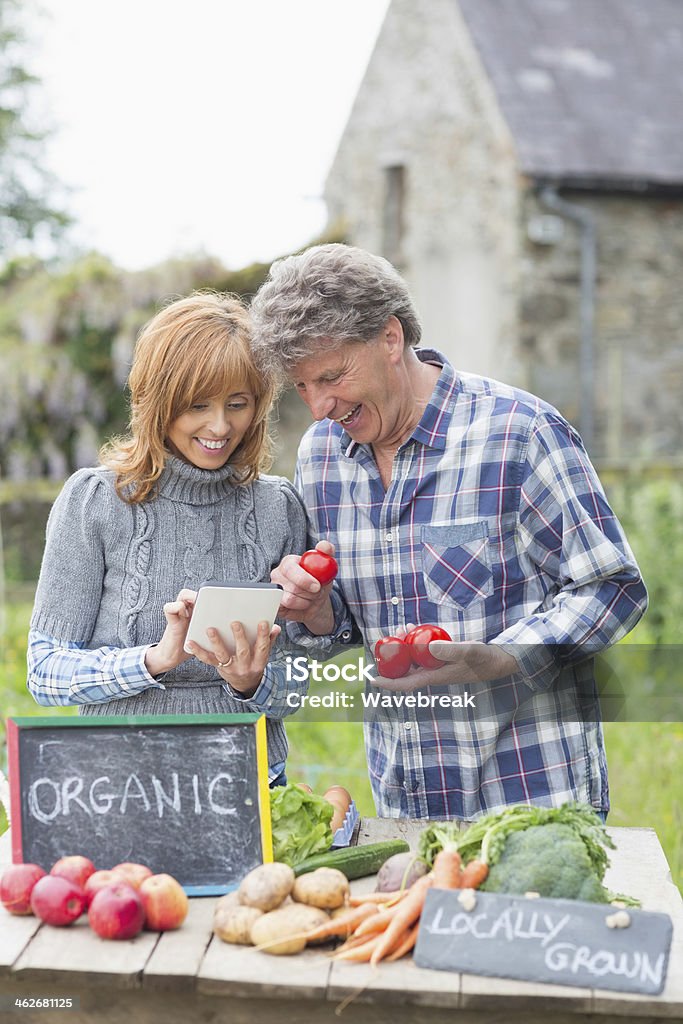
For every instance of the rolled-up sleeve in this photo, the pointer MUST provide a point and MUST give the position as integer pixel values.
(280, 691)
(64, 672)
(596, 594)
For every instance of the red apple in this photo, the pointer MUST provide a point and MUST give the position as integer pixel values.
(116, 912)
(16, 885)
(165, 902)
(134, 874)
(56, 900)
(98, 880)
(75, 869)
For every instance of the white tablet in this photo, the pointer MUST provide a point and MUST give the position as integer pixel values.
(217, 607)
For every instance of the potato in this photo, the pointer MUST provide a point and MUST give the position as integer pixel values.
(310, 918)
(326, 888)
(234, 923)
(338, 911)
(266, 886)
(231, 899)
(283, 931)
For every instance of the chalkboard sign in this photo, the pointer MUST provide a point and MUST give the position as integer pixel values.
(187, 795)
(565, 942)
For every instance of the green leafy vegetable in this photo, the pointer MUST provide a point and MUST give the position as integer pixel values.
(442, 836)
(485, 838)
(300, 822)
(548, 859)
(555, 851)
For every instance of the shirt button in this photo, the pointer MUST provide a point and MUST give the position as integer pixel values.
(408, 726)
(388, 537)
(394, 600)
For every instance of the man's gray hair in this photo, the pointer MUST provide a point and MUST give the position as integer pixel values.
(327, 295)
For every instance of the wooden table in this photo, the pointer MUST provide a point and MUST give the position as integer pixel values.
(190, 975)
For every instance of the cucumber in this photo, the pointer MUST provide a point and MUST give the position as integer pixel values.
(354, 861)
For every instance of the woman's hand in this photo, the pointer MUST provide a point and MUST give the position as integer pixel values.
(304, 599)
(169, 653)
(243, 668)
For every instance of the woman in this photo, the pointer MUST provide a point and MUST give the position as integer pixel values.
(179, 502)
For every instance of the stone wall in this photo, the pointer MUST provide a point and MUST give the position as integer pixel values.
(494, 301)
(425, 105)
(638, 384)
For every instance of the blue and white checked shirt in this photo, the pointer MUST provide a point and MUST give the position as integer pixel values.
(64, 672)
(494, 526)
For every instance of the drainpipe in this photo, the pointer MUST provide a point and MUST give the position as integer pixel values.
(586, 222)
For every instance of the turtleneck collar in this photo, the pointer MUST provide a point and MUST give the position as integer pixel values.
(180, 481)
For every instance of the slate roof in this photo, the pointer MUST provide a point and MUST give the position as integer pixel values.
(592, 90)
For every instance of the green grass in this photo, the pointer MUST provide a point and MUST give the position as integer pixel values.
(645, 762)
(645, 759)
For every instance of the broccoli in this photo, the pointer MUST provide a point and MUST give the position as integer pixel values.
(551, 860)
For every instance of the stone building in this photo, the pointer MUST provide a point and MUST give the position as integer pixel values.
(521, 162)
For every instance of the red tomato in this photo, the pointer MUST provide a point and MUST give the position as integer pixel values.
(393, 657)
(418, 641)
(320, 566)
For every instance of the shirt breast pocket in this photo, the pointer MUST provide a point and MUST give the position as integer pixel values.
(457, 563)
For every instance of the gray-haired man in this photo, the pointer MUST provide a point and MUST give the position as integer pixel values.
(455, 500)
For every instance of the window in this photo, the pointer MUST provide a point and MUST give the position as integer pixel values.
(393, 213)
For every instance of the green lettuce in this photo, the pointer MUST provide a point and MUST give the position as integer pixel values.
(300, 823)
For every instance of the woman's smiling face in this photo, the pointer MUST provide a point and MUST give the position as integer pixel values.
(210, 431)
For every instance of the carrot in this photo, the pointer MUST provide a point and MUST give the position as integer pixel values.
(343, 925)
(407, 944)
(474, 874)
(352, 942)
(447, 869)
(377, 897)
(406, 914)
(375, 924)
(358, 954)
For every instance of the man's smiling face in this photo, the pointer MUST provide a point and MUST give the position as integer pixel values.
(355, 385)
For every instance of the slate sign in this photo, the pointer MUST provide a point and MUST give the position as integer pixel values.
(565, 942)
(187, 795)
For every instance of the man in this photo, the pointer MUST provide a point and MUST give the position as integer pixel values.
(455, 500)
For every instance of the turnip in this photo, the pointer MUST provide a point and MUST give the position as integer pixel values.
(399, 872)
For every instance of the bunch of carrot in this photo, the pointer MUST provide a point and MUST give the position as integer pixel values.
(384, 926)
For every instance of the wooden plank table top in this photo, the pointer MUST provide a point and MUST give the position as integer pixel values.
(182, 974)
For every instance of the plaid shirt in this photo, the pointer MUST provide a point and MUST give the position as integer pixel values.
(494, 526)
(63, 672)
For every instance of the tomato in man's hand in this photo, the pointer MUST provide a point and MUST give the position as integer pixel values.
(393, 657)
(319, 565)
(418, 640)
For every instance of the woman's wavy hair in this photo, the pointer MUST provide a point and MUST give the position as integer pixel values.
(196, 348)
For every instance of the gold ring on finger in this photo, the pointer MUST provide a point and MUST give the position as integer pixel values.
(224, 664)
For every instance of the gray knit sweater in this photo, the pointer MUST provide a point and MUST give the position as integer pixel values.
(109, 568)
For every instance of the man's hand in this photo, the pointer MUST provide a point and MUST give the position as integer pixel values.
(465, 663)
(304, 599)
(169, 653)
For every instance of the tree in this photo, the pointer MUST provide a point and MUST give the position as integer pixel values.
(25, 185)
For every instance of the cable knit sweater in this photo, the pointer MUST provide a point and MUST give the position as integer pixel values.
(109, 568)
